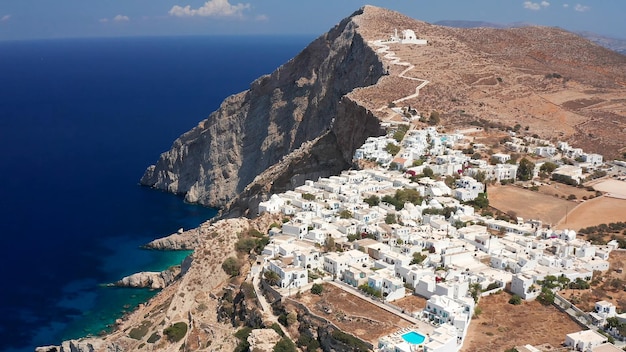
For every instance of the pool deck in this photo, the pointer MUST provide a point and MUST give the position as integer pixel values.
(420, 328)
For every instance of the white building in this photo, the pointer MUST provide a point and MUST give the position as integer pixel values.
(335, 263)
(584, 340)
(290, 276)
(446, 310)
(524, 286)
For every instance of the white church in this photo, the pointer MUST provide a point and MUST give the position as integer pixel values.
(408, 37)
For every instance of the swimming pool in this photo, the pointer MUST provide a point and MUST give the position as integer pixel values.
(413, 338)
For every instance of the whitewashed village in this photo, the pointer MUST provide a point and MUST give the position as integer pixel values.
(411, 225)
(412, 220)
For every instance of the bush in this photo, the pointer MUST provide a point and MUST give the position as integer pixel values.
(176, 332)
(154, 338)
(242, 334)
(546, 297)
(358, 345)
(285, 345)
(276, 327)
(308, 196)
(245, 245)
(139, 332)
(370, 290)
(372, 200)
(515, 300)
(231, 266)
(492, 286)
(392, 148)
(317, 289)
(308, 342)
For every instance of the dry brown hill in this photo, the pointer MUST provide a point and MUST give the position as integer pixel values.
(554, 81)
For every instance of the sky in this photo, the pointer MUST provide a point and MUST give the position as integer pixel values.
(39, 19)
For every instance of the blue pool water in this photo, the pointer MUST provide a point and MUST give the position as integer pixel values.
(413, 338)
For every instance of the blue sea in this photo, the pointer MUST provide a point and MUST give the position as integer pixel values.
(80, 120)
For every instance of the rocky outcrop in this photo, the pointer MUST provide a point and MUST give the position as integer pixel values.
(150, 279)
(177, 241)
(293, 124)
(86, 345)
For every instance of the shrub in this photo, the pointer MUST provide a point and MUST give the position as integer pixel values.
(492, 286)
(345, 214)
(276, 327)
(308, 196)
(242, 334)
(139, 332)
(317, 289)
(231, 266)
(154, 338)
(515, 300)
(285, 345)
(358, 345)
(176, 332)
(392, 148)
(308, 342)
(370, 290)
(372, 200)
(245, 245)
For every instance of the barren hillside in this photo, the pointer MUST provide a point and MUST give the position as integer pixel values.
(555, 82)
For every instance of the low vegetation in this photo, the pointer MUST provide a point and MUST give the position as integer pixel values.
(356, 344)
(176, 332)
(317, 289)
(231, 266)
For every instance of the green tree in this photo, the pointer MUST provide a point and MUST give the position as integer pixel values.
(176, 332)
(480, 176)
(308, 196)
(390, 218)
(418, 258)
(372, 200)
(548, 167)
(271, 277)
(525, 170)
(231, 266)
(370, 290)
(428, 172)
(345, 214)
(481, 202)
(546, 297)
(392, 148)
(434, 118)
(317, 289)
(515, 300)
(285, 345)
(330, 243)
(476, 156)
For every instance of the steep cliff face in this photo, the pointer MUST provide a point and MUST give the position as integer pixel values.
(301, 107)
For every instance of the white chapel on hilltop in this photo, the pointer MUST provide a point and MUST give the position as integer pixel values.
(408, 37)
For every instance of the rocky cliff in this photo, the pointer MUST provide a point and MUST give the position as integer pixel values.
(293, 124)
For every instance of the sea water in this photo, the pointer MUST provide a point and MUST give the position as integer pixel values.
(79, 122)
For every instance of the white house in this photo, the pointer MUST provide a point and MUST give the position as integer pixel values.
(602, 311)
(584, 340)
(524, 286)
(290, 276)
(446, 310)
(335, 263)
